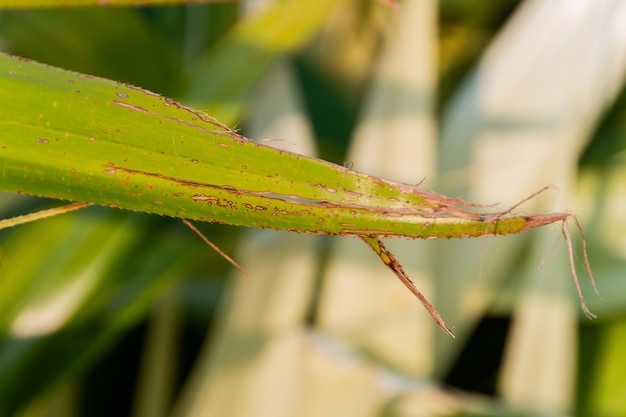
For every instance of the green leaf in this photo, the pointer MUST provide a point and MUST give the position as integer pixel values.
(82, 138)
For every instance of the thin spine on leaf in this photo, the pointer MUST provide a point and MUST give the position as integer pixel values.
(392, 263)
(570, 251)
(587, 265)
(563, 218)
(31, 217)
(215, 247)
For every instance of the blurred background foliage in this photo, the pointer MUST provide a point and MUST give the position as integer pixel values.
(106, 313)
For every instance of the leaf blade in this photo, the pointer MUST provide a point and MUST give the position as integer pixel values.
(83, 138)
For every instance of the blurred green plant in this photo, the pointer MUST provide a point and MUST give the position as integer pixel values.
(74, 286)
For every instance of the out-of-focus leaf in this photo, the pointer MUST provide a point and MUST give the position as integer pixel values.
(603, 385)
(221, 82)
(116, 43)
(87, 283)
